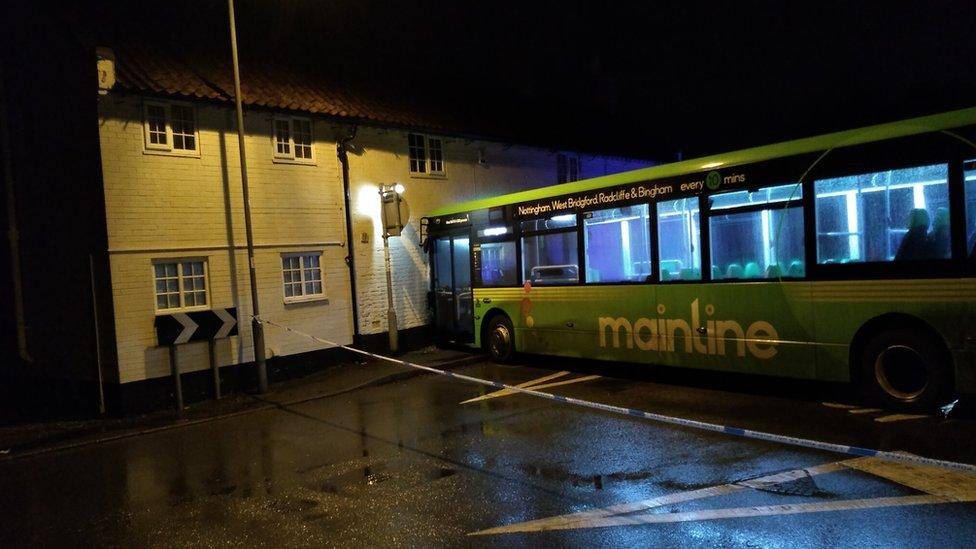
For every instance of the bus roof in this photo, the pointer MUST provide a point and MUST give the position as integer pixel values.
(912, 126)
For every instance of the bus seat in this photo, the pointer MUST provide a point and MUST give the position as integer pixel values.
(938, 244)
(774, 271)
(716, 273)
(914, 242)
(665, 275)
(796, 269)
(672, 265)
(752, 270)
(734, 271)
(690, 274)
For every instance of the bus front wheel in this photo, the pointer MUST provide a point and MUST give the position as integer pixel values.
(501, 339)
(905, 369)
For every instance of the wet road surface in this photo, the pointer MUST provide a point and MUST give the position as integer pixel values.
(407, 464)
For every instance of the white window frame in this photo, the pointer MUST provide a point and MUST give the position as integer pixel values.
(179, 276)
(426, 159)
(167, 148)
(304, 298)
(290, 157)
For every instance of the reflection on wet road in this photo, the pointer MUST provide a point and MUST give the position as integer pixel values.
(406, 464)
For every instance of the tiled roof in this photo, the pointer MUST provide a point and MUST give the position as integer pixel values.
(185, 52)
(141, 69)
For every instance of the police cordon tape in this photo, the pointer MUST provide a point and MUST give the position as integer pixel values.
(633, 412)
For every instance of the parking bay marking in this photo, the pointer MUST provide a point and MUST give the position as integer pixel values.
(938, 486)
(539, 383)
(851, 409)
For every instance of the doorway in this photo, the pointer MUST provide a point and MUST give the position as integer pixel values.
(453, 319)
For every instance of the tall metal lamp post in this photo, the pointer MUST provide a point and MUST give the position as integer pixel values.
(392, 226)
(257, 330)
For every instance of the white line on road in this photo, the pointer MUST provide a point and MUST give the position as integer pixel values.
(836, 405)
(864, 410)
(534, 384)
(899, 417)
(940, 486)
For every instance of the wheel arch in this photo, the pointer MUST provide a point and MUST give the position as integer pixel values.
(889, 321)
(486, 320)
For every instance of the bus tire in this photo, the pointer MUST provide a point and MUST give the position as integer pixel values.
(906, 369)
(501, 339)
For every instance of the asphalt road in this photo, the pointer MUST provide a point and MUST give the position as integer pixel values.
(407, 464)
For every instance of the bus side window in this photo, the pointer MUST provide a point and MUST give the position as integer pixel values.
(969, 175)
(757, 234)
(550, 258)
(498, 264)
(618, 244)
(679, 240)
(883, 216)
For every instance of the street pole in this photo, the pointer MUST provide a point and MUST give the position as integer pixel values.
(389, 192)
(257, 330)
(391, 317)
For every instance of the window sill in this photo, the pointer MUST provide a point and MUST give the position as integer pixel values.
(165, 152)
(165, 312)
(324, 300)
(428, 175)
(303, 162)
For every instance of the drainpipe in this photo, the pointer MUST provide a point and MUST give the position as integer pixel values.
(12, 233)
(342, 153)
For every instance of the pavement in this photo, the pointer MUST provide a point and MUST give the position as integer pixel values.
(28, 439)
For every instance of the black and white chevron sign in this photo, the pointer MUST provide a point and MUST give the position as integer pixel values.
(179, 328)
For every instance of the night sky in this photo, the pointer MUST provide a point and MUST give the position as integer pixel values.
(649, 79)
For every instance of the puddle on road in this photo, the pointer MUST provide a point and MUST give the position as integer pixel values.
(595, 481)
(379, 474)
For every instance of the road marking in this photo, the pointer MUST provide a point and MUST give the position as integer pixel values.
(939, 486)
(836, 405)
(851, 409)
(899, 417)
(534, 384)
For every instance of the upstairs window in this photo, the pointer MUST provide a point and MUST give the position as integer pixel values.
(171, 128)
(293, 139)
(426, 154)
(567, 168)
(180, 284)
(891, 215)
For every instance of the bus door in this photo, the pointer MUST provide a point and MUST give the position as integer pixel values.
(452, 289)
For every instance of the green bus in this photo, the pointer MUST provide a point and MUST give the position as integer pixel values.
(845, 257)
